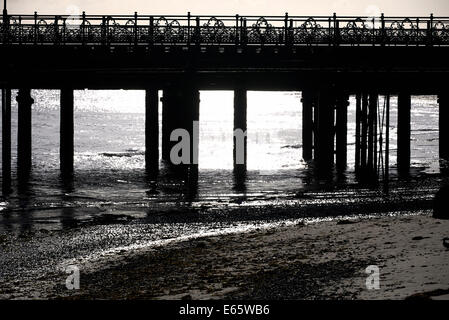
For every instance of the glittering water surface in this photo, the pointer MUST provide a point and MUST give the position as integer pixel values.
(109, 152)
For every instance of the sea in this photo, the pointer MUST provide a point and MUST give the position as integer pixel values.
(110, 168)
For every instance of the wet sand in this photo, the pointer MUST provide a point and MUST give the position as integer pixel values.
(289, 260)
(318, 261)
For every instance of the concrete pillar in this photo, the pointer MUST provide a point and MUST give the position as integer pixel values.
(25, 102)
(152, 129)
(307, 125)
(403, 156)
(66, 142)
(341, 133)
(443, 101)
(6, 141)
(358, 112)
(324, 124)
(240, 122)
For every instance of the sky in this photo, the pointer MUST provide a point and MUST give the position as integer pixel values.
(231, 7)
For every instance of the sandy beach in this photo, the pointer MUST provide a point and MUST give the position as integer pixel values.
(294, 259)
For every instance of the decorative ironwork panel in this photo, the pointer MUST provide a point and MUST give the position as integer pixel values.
(222, 30)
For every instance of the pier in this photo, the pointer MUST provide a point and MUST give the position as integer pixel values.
(328, 59)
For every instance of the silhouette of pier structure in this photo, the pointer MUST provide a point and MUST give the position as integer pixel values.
(327, 58)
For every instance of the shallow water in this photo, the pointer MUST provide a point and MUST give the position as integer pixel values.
(109, 156)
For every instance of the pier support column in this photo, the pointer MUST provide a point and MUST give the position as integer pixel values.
(404, 105)
(192, 95)
(180, 111)
(341, 144)
(167, 123)
(24, 102)
(6, 141)
(364, 133)
(372, 135)
(66, 142)
(152, 130)
(307, 125)
(240, 127)
(358, 115)
(324, 131)
(443, 101)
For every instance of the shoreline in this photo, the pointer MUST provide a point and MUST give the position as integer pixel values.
(324, 260)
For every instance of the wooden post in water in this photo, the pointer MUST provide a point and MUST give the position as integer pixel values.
(152, 130)
(240, 127)
(6, 141)
(307, 125)
(341, 131)
(24, 102)
(404, 105)
(66, 142)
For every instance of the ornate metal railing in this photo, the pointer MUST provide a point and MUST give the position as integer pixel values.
(237, 30)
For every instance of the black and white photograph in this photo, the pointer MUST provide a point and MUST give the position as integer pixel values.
(224, 155)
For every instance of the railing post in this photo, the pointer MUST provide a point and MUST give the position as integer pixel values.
(135, 29)
(197, 31)
(103, 31)
(290, 33)
(188, 29)
(107, 30)
(83, 29)
(245, 40)
(63, 31)
(5, 26)
(56, 30)
(237, 29)
(286, 28)
(151, 34)
(36, 28)
(330, 31)
(336, 30)
(382, 34)
(20, 29)
(430, 30)
(417, 31)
